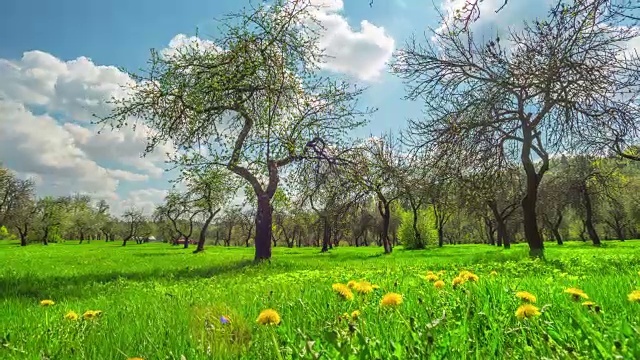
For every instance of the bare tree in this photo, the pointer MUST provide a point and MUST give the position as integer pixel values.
(557, 85)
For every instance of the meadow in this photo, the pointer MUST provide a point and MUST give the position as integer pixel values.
(155, 301)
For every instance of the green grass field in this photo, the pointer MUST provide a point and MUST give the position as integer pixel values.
(163, 302)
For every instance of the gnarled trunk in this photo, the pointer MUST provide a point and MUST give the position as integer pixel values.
(203, 231)
(588, 221)
(264, 217)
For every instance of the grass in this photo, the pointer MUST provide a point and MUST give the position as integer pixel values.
(162, 302)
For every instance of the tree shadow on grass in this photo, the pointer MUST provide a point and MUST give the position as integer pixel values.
(69, 287)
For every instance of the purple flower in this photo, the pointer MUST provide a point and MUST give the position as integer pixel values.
(224, 320)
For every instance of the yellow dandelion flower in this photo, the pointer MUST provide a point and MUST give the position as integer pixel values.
(439, 284)
(91, 314)
(431, 277)
(391, 299)
(135, 358)
(351, 283)
(493, 273)
(588, 304)
(634, 296)
(469, 276)
(47, 302)
(526, 296)
(343, 290)
(363, 287)
(268, 317)
(576, 294)
(429, 272)
(355, 314)
(345, 316)
(458, 280)
(71, 315)
(526, 311)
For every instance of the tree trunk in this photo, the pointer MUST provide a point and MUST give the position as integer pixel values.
(530, 220)
(416, 231)
(588, 221)
(386, 220)
(440, 236)
(228, 240)
(45, 236)
(326, 234)
(249, 231)
(263, 220)
(203, 231)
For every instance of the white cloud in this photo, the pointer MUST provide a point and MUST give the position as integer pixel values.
(46, 105)
(145, 200)
(363, 54)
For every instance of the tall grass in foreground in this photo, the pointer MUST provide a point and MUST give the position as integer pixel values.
(162, 302)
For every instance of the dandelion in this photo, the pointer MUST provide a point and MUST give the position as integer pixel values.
(351, 284)
(469, 276)
(91, 314)
(71, 315)
(493, 273)
(588, 304)
(135, 358)
(391, 299)
(363, 287)
(634, 296)
(343, 290)
(355, 314)
(268, 317)
(47, 302)
(458, 280)
(431, 277)
(439, 284)
(576, 294)
(526, 296)
(526, 311)
(224, 319)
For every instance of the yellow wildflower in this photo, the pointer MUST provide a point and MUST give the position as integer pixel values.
(576, 294)
(588, 304)
(429, 272)
(469, 276)
(355, 314)
(47, 302)
(634, 296)
(458, 280)
(268, 317)
(363, 287)
(343, 290)
(526, 296)
(351, 283)
(71, 315)
(526, 311)
(431, 277)
(135, 358)
(91, 314)
(439, 284)
(391, 299)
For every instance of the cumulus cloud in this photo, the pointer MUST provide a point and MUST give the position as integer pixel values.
(363, 54)
(46, 105)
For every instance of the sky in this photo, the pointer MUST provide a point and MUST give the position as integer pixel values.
(61, 60)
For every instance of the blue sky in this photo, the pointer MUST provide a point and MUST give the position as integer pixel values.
(47, 134)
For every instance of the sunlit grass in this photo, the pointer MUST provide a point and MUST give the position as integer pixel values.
(162, 302)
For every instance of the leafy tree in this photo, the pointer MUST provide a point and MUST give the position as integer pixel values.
(557, 85)
(135, 225)
(51, 214)
(255, 101)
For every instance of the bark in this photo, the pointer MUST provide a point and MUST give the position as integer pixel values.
(264, 218)
(203, 231)
(386, 220)
(45, 236)
(588, 221)
(326, 235)
(416, 231)
(249, 232)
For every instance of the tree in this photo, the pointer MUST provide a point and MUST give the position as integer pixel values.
(134, 225)
(557, 85)
(374, 167)
(51, 214)
(209, 189)
(21, 208)
(255, 101)
(179, 209)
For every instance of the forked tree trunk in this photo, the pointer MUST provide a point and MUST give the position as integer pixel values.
(264, 217)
